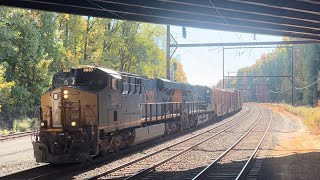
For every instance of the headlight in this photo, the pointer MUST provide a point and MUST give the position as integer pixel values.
(65, 96)
(43, 124)
(65, 92)
(55, 96)
(73, 123)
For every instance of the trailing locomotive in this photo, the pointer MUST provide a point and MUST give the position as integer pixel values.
(92, 111)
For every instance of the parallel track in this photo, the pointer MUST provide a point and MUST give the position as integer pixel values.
(49, 171)
(144, 164)
(31, 173)
(237, 169)
(14, 135)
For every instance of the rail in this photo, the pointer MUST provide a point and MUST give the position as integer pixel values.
(47, 171)
(14, 135)
(141, 172)
(206, 170)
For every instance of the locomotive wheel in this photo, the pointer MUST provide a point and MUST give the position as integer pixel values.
(103, 151)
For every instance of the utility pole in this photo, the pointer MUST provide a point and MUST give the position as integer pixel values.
(223, 68)
(292, 76)
(168, 52)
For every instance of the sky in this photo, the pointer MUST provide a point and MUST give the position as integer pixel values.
(203, 65)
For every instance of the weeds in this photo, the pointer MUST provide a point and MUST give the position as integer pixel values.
(23, 125)
(20, 125)
(4, 132)
(309, 115)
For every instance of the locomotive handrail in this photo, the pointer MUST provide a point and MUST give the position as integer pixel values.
(35, 130)
(162, 103)
(167, 111)
(195, 102)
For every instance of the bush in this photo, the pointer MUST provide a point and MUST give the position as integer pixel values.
(23, 125)
(4, 132)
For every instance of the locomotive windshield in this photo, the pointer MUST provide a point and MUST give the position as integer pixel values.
(64, 79)
(80, 77)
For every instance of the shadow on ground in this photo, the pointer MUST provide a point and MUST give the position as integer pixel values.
(295, 166)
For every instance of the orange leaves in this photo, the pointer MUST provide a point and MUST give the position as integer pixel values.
(180, 74)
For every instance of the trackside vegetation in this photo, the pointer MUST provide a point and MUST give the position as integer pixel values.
(309, 115)
(306, 72)
(35, 44)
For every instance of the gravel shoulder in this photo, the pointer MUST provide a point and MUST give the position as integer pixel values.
(87, 173)
(294, 153)
(16, 155)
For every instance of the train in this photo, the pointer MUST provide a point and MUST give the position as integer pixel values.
(91, 111)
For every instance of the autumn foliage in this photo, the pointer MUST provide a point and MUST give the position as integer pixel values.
(35, 44)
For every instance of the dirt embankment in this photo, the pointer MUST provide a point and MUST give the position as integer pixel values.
(296, 154)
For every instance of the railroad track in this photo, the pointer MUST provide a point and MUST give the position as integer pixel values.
(14, 135)
(225, 167)
(49, 171)
(32, 173)
(140, 166)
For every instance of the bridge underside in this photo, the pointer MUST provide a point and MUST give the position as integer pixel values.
(294, 18)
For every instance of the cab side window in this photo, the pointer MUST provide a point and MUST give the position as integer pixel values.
(138, 86)
(132, 85)
(125, 85)
(113, 83)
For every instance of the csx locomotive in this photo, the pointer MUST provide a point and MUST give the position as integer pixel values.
(91, 111)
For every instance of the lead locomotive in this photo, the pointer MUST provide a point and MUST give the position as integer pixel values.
(92, 111)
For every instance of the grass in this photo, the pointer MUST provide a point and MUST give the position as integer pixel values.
(4, 132)
(23, 125)
(309, 115)
(20, 125)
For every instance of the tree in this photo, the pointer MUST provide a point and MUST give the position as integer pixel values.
(35, 44)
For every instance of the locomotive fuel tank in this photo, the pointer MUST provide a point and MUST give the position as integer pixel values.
(68, 126)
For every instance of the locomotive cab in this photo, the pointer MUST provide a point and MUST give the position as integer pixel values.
(69, 116)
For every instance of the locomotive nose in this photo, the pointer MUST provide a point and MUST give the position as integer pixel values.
(70, 107)
(65, 109)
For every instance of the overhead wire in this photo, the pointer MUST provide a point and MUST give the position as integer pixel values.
(226, 22)
(209, 49)
(300, 88)
(115, 14)
(224, 19)
(238, 36)
(295, 88)
(270, 91)
(106, 10)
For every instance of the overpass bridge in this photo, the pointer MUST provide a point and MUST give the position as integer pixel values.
(294, 18)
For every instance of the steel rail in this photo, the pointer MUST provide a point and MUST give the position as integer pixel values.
(55, 171)
(140, 173)
(241, 174)
(168, 147)
(14, 135)
(204, 172)
(26, 174)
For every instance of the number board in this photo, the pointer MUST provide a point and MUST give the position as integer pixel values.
(88, 69)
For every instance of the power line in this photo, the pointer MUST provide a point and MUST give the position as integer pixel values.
(297, 88)
(280, 92)
(106, 10)
(224, 19)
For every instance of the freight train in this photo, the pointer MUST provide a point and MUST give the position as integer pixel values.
(91, 111)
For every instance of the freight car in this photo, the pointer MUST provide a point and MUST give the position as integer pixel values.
(91, 111)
